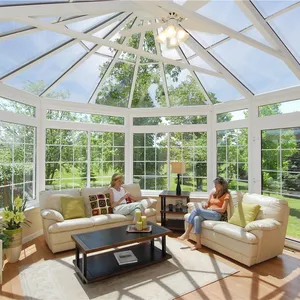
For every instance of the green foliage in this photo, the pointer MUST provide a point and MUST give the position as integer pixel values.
(6, 239)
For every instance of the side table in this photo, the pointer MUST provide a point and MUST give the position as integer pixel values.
(174, 224)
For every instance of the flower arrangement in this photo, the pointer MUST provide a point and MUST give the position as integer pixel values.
(13, 215)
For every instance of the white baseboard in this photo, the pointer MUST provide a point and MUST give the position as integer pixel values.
(32, 236)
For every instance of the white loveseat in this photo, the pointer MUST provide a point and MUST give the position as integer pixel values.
(58, 231)
(260, 240)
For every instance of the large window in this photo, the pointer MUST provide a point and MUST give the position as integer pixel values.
(281, 170)
(17, 162)
(153, 152)
(66, 159)
(107, 156)
(232, 157)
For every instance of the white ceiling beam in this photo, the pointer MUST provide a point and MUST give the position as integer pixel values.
(265, 29)
(194, 76)
(135, 72)
(196, 19)
(161, 67)
(67, 9)
(85, 37)
(195, 5)
(215, 64)
(84, 58)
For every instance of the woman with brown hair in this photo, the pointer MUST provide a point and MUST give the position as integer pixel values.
(212, 210)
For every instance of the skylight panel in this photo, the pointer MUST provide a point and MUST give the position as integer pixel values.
(106, 30)
(116, 88)
(219, 90)
(80, 84)
(206, 39)
(199, 62)
(107, 51)
(11, 26)
(188, 52)
(12, 2)
(170, 53)
(90, 45)
(85, 25)
(287, 27)
(256, 35)
(258, 70)
(183, 89)
(22, 49)
(47, 71)
(268, 8)
(226, 13)
(148, 91)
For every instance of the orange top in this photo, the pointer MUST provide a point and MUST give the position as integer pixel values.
(217, 202)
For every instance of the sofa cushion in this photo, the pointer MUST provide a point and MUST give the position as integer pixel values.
(265, 224)
(72, 207)
(235, 198)
(270, 207)
(235, 232)
(134, 189)
(244, 214)
(72, 224)
(108, 219)
(46, 202)
(100, 204)
(86, 192)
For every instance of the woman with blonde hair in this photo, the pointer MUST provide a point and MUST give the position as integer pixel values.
(215, 207)
(119, 198)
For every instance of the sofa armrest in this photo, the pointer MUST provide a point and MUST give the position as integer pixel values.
(265, 224)
(51, 214)
(149, 203)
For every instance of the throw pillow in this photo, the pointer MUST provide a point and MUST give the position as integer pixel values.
(100, 204)
(244, 214)
(72, 207)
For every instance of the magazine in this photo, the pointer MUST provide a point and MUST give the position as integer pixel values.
(132, 228)
(125, 257)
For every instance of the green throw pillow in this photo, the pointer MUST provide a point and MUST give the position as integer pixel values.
(244, 214)
(72, 207)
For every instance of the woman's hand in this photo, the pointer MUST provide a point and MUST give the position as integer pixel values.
(127, 194)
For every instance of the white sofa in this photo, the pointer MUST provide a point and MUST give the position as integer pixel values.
(260, 240)
(58, 231)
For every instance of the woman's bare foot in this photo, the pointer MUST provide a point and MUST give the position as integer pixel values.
(196, 247)
(183, 237)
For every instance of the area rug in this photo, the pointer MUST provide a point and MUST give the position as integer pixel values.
(185, 272)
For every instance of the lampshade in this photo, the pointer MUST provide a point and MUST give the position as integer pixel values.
(178, 167)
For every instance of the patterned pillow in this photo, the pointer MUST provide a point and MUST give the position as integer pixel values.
(100, 204)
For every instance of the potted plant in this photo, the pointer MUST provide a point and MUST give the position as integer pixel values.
(13, 217)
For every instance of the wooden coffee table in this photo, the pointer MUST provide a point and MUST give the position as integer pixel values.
(103, 265)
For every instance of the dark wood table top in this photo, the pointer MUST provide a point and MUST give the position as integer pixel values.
(173, 194)
(113, 237)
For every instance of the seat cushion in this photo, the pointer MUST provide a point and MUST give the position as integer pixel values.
(69, 225)
(236, 232)
(108, 219)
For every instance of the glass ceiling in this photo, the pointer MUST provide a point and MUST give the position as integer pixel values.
(82, 53)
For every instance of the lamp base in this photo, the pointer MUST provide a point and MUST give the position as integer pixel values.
(178, 188)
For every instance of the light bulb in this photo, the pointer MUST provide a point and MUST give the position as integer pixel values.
(162, 37)
(170, 31)
(181, 34)
(173, 41)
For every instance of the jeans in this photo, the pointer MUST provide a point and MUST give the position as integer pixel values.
(199, 214)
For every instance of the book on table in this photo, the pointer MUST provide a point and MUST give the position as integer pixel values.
(125, 257)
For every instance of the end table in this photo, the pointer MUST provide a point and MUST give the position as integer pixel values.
(175, 224)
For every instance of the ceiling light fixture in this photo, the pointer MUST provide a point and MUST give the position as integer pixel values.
(172, 34)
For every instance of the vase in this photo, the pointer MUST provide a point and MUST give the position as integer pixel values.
(14, 250)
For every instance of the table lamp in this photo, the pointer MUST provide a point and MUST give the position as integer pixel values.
(178, 168)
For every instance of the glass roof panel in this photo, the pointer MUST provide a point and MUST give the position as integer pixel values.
(134, 43)
(206, 39)
(268, 8)
(149, 91)
(106, 30)
(170, 53)
(49, 19)
(107, 51)
(256, 35)
(11, 2)
(85, 25)
(13, 55)
(287, 27)
(116, 88)
(218, 89)
(6, 27)
(90, 45)
(183, 89)
(48, 70)
(199, 62)
(226, 13)
(80, 90)
(188, 52)
(252, 67)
